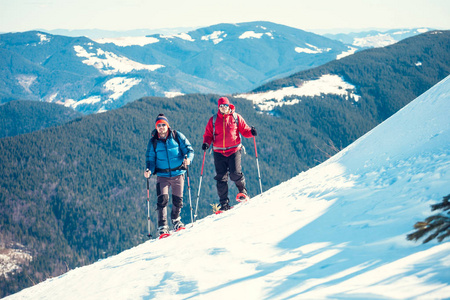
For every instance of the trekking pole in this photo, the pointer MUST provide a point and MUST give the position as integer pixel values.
(200, 185)
(189, 190)
(257, 164)
(148, 204)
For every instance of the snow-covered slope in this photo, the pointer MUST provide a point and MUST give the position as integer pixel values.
(336, 231)
(326, 84)
(374, 38)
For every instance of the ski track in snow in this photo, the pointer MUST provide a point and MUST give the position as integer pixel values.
(337, 231)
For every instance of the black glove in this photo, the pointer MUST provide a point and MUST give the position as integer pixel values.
(205, 146)
(253, 131)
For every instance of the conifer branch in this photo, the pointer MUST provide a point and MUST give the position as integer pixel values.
(436, 226)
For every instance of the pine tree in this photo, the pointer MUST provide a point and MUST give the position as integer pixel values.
(435, 226)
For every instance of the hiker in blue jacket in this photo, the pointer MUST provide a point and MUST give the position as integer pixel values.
(166, 157)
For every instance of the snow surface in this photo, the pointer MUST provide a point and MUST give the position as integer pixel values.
(109, 63)
(311, 49)
(129, 41)
(172, 94)
(254, 35)
(377, 41)
(326, 84)
(183, 36)
(336, 231)
(120, 85)
(44, 38)
(216, 37)
(87, 101)
(26, 81)
(12, 260)
(351, 50)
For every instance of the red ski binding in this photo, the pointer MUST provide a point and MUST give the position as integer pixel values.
(241, 197)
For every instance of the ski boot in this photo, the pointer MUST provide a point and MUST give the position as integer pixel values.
(163, 231)
(177, 224)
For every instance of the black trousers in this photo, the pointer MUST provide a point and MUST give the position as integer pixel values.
(232, 165)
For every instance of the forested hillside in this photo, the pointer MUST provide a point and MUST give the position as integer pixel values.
(17, 117)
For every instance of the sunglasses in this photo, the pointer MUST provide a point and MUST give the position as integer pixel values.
(162, 125)
(223, 105)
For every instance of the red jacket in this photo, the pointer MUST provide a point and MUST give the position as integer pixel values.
(227, 140)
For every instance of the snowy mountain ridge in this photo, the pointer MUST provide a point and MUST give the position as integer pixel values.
(335, 231)
(326, 84)
(223, 59)
(376, 38)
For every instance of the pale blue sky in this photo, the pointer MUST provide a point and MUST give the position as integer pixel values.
(22, 15)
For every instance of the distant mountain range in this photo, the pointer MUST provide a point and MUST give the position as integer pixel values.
(376, 38)
(100, 33)
(94, 76)
(97, 75)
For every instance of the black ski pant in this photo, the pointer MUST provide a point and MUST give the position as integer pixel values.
(232, 165)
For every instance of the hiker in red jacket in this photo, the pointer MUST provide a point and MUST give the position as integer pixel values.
(222, 131)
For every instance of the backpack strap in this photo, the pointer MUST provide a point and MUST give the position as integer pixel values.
(174, 135)
(236, 120)
(214, 123)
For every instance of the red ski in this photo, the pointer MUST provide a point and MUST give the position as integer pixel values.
(164, 235)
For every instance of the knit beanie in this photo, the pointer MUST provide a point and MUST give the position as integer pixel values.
(223, 100)
(161, 118)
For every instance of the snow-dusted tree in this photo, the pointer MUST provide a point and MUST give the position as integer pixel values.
(436, 226)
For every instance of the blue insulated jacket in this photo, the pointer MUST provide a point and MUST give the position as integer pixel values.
(168, 156)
